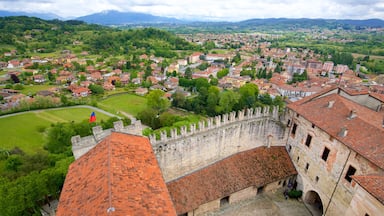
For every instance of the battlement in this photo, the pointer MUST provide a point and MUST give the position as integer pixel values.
(216, 122)
(81, 145)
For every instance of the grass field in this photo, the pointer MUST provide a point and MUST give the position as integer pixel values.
(33, 89)
(131, 104)
(23, 130)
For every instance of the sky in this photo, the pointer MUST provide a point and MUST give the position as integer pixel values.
(213, 10)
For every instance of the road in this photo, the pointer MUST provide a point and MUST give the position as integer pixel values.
(70, 107)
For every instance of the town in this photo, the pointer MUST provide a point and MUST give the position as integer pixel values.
(195, 122)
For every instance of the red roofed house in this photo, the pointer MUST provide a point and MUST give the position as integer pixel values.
(336, 142)
(81, 92)
(119, 176)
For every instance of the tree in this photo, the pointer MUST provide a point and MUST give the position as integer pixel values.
(222, 73)
(227, 101)
(212, 100)
(15, 79)
(188, 73)
(59, 138)
(96, 89)
(178, 99)
(248, 95)
(149, 117)
(237, 58)
(157, 101)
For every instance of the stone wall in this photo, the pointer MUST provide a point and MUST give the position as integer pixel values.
(81, 145)
(216, 139)
(198, 146)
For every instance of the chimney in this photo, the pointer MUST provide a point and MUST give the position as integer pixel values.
(330, 104)
(352, 114)
(343, 132)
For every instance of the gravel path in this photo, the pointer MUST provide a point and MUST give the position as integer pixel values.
(69, 107)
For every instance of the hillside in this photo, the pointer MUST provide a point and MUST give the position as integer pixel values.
(33, 35)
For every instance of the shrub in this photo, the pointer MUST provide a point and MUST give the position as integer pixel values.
(295, 193)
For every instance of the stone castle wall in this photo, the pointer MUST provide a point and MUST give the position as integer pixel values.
(198, 146)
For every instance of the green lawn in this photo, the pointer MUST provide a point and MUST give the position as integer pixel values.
(128, 103)
(33, 89)
(23, 130)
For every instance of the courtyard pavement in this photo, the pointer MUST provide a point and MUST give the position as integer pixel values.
(266, 204)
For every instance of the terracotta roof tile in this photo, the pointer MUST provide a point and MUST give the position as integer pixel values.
(365, 131)
(255, 167)
(374, 184)
(120, 173)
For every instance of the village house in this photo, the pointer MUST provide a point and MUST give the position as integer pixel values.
(141, 91)
(79, 91)
(39, 79)
(194, 58)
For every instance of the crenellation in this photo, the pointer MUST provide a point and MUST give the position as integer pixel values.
(118, 126)
(173, 133)
(163, 135)
(231, 133)
(152, 138)
(266, 110)
(240, 115)
(97, 132)
(183, 130)
(193, 128)
(210, 123)
(249, 113)
(232, 116)
(218, 121)
(201, 125)
(76, 140)
(224, 118)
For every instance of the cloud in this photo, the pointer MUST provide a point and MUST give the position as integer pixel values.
(208, 9)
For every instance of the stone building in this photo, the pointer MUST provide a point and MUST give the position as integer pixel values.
(336, 142)
(330, 143)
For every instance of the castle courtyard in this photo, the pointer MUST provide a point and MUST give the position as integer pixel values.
(266, 204)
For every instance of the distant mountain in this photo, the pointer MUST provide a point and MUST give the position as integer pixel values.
(45, 16)
(123, 18)
(310, 23)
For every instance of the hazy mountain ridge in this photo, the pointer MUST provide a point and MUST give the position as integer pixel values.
(45, 16)
(124, 18)
(113, 17)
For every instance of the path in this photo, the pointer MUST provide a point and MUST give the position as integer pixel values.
(69, 107)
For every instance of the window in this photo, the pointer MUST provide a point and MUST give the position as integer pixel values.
(325, 154)
(289, 122)
(306, 167)
(224, 201)
(293, 132)
(185, 214)
(313, 125)
(317, 179)
(260, 189)
(298, 158)
(308, 140)
(297, 115)
(351, 171)
(289, 148)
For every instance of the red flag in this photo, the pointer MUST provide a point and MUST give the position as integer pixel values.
(92, 118)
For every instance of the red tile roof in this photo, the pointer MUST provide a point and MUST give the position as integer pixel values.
(255, 167)
(120, 173)
(365, 131)
(374, 184)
